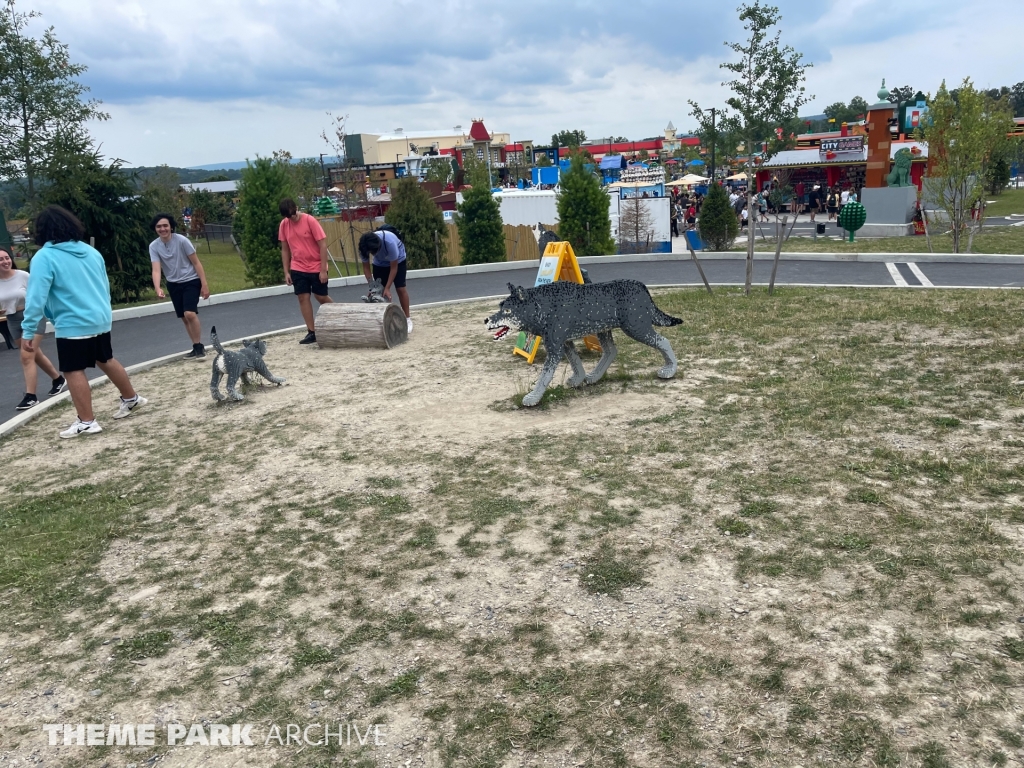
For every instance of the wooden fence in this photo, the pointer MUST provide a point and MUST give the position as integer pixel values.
(343, 240)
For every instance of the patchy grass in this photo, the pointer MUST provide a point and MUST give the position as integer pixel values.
(804, 550)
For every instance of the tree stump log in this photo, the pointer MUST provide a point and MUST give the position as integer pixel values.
(346, 326)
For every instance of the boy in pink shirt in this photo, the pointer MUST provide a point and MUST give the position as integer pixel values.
(304, 258)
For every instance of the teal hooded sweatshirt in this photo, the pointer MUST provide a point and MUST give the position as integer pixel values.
(68, 283)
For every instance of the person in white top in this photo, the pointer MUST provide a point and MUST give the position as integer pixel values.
(13, 284)
(844, 198)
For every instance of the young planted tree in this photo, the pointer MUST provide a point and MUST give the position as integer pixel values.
(583, 211)
(260, 190)
(481, 232)
(767, 91)
(636, 226)
(717, 224)
(42, 104)
(421, 223)
(117, 219)
(964, 137)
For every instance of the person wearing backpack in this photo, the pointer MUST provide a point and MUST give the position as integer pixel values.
(387, 251)
(832, 203)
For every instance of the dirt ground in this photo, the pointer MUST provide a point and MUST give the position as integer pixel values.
(388, 539)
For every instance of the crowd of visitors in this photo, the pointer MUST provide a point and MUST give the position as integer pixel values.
(801, 198)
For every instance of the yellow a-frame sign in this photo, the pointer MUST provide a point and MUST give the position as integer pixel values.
(557, 263)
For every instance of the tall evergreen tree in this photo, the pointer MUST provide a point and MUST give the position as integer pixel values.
(717, 224)
(481, 232)
(103, 197)
(42, 104)
(583, 211)
(414, 214)
(263, 184)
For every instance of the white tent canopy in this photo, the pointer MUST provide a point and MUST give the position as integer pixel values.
(688, 180)
(737, 177)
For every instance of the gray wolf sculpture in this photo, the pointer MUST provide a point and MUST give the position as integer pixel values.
(376, 293)
(562, 311)
(238, 365)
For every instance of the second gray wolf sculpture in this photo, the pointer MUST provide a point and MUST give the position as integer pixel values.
(561, 312)
(238, 365)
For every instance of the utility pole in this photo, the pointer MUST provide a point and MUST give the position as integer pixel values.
(713, 111)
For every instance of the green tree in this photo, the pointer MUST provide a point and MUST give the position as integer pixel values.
(583, 211)
(207, 208)
(543, 161)
(439, 169)
(1017, 99)
(414, 214)
(569, 138)
(481, 231)
(963, 136)
(163, 185)
(901, 93)
(305, 177)
(104, 198)
(42, 105)
(717, 224)
(264, 183)
(768, 92)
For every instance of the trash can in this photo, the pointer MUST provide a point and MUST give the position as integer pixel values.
(693, 240)
(821, 229)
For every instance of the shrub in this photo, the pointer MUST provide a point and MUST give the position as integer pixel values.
(582, 203)
(414, 214)
(480, 229)
(263, 184)
(717, 224)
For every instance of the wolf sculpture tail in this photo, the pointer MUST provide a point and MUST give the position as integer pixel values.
(216, 342)
(660, 318)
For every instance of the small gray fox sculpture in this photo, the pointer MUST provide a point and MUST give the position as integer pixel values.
(238, 365)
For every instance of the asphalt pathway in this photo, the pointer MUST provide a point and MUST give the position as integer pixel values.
(139, 339)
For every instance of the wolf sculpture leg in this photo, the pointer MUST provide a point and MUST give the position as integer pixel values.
(233, 393)
(579, 373)
(215, 384)
(654, 339)
(608, 354)
(546, 374)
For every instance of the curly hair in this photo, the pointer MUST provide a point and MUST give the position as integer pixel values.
(57, 225)
(170, 220)
(369, 244)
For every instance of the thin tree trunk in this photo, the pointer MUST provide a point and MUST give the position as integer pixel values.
(791, 227)
(750, 230)
(775, 264)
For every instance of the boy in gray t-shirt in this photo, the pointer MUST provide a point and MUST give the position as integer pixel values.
(173, 255)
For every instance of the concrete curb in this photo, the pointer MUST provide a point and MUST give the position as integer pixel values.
(421, 274)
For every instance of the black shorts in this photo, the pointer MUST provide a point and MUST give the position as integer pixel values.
(383, 273)
(308, 282)
(185, 296)
(79, 354)
(14, 325)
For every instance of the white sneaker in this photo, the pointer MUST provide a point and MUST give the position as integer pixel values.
(127, 407)
(408, 325)
(81, 428)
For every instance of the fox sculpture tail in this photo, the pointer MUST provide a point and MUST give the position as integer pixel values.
(216, 342)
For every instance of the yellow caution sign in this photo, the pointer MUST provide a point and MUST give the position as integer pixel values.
(557, 263)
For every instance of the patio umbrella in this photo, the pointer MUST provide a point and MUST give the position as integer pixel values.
(696, 162)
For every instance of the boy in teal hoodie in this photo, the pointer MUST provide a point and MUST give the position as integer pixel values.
(69, 285)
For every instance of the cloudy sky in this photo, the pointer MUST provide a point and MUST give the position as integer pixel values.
(190, 82)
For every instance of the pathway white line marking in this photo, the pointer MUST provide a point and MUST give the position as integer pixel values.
(920, 275)
(896, 276)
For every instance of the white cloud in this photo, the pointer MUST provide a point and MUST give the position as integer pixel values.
(190, 82)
